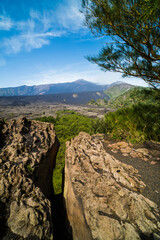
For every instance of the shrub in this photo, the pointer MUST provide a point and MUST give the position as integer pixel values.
(136, 123)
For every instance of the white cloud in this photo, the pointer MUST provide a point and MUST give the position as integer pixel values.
(5, 23)
(32, 33)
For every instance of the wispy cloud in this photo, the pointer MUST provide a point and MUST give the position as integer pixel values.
(41, 27)
(69, 15)
(29, 41)
(5, 23)
(32, 33)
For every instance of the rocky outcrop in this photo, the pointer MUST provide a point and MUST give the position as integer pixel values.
(103, 196)
(27, 157)
(151, 154)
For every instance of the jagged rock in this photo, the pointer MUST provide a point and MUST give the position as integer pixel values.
(103, 196)
(28, 152)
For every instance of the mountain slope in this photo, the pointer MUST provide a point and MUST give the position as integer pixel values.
(135, 95)
(67, 98)
(118, 89)
(69, 87)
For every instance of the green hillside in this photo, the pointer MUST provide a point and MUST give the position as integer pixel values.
(117, 90)
(136, 95)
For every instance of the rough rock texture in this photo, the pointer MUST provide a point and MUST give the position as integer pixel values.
(103, 195)
(152, 154)
(27, 157)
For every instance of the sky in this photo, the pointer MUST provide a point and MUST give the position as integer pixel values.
(45, 41)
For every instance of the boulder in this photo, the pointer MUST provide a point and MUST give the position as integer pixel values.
(103, 196)
(27, 158)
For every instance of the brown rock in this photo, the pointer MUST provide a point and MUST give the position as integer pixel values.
(122, 144)
(28, 155)
(134, 154)
(153, 162)
(102, 195)
(144, 151)
(126, 150)
(125, 154)
(114, 146)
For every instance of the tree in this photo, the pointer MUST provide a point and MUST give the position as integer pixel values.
(133, 27)
(151, 6)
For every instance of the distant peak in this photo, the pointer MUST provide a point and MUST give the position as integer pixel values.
(81, 81)
(118, 82)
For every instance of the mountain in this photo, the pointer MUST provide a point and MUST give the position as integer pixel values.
(67, 98)
(69, 87)
(118, 89)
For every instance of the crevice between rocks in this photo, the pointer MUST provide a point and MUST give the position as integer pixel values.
(61, 226)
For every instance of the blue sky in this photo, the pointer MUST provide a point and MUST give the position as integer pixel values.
(45, 41)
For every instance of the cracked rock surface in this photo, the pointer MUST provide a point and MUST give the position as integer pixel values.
(103, 196)
(27, 157)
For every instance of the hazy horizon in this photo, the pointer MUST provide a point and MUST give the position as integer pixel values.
(68, 82)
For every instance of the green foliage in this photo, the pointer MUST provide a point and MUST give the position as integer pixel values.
(133, 46)
(47, 119)
(151, 8)
(29, 169)
(99, 126)
(92, 102)
(67, 125)
(106, 101)
(136, 123)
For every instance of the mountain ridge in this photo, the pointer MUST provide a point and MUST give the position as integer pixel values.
(79, 85)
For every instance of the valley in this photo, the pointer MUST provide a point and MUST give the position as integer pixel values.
(67, 96)
(35, 110)
(47, 105)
